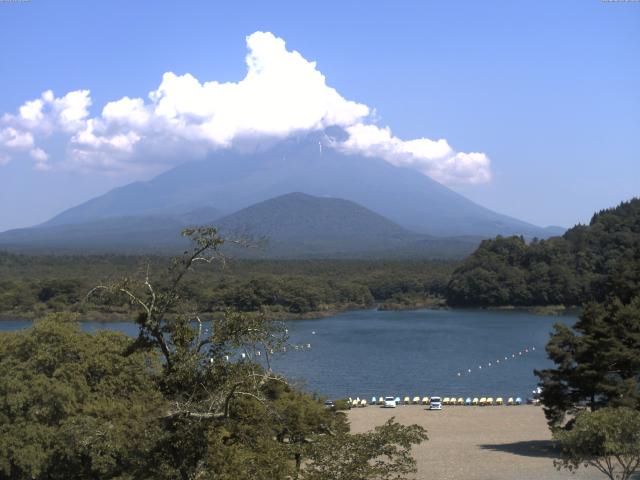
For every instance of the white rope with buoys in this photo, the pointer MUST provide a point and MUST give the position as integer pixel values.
(519, 354)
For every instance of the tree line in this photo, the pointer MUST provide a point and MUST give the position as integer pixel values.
(586, 264)
(36, 286)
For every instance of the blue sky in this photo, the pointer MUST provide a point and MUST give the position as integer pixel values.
(547, 90)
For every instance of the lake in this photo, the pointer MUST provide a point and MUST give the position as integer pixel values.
(369, 352)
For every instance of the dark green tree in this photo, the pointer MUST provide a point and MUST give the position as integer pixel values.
(597, 361)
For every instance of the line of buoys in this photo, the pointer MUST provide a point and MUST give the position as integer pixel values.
(497, 361)
(258, 353)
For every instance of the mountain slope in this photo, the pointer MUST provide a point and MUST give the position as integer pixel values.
(294, 225)
(298, 216)
(230, 180)
(297, 224)
(127, 234)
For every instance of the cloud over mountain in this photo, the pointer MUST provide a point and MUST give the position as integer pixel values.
(282, 94)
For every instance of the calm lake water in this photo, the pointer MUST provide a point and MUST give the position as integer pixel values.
(366, 353)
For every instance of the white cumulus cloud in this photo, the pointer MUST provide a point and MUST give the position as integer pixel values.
(16, 139)
(434, 158)
(281, 94)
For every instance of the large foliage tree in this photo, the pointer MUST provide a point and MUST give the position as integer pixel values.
(72, 406)
(229, 415)
(608, 440)
(383, 454)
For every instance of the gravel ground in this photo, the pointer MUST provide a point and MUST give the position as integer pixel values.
(477, 443)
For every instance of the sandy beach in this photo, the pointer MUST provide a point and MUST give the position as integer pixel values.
(477, 443)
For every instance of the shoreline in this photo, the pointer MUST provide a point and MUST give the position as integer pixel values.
(115, 317)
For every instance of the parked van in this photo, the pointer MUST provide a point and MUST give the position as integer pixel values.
(390, 402)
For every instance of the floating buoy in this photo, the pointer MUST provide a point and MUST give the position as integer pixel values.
(458, 373)
(313, 332)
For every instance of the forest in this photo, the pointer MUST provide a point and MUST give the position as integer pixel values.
(586, 264)
(31, 286)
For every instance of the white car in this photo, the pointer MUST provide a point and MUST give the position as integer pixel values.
(389, 402)
(436, 403)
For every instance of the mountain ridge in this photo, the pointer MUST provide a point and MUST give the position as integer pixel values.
(294, 225)
(229, 180)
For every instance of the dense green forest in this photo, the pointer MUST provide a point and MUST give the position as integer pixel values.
(35, 285)
(587, 263)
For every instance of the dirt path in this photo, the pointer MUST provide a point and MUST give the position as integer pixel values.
(477, 443)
